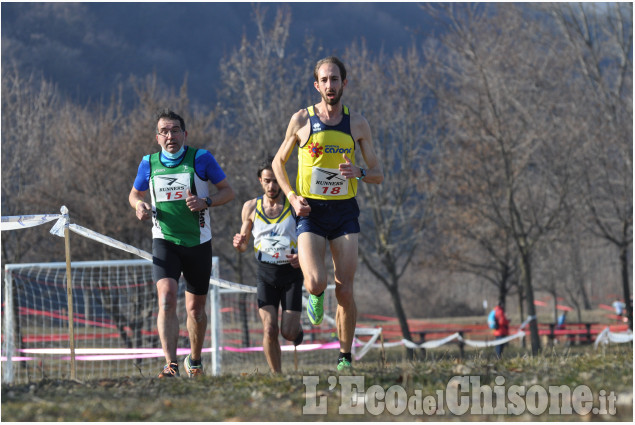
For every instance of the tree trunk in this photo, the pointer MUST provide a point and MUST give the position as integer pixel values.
(521, 309)
(578, 275)
(525, 272)
(401, 316)
(626, 285)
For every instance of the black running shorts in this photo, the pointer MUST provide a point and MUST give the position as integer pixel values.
(280, 285)
(169, 260)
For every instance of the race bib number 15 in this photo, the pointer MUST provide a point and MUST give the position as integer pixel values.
(171, 187)
(328, 182)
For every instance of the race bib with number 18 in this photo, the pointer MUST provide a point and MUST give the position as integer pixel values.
(328, 182)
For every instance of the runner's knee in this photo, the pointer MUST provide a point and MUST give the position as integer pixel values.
(197, 314)
(315, 283)
(270, 330)
(167, 301)
(344, 294)
(289, 330)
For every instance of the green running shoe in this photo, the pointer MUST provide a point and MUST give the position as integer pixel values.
(344, 365)
(315, 309)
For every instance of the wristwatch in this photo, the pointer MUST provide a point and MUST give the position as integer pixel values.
(208, 201)
(361, 170)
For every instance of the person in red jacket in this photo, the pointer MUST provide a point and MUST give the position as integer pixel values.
(502, 329)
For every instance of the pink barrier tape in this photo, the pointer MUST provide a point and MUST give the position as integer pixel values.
(17, 359)
(104, 354)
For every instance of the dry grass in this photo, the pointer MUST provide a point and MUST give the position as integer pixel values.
(262, 397)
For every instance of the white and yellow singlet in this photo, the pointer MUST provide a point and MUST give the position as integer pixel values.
(274, 237)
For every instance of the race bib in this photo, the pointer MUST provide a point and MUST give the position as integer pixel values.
(328, 182)
(274, 249)
(171, 187)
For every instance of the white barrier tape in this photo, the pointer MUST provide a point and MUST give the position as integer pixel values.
(368, 331)
(431, 344)
(90, 234)
(393, 344)
(483, 344)
(439, 342)
(58, 227)
(620, 338)
(24, 221)
(370, 343)
(232, 285)
(526, 322)
(606, 336)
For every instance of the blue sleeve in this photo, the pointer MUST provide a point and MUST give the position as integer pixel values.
(142, 181)
(207, 167)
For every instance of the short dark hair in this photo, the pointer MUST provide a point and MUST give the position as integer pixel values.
(330, 59)
(265, 165)
(168, 114)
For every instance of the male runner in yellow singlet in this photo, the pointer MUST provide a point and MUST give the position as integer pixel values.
(327, 136)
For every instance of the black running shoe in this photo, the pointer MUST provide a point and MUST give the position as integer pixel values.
(170, 370)
(298, 339)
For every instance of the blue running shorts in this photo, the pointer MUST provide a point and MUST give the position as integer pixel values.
(330, 219)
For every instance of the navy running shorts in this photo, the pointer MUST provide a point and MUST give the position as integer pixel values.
(330, 219)
(280, 285)
(169, 260)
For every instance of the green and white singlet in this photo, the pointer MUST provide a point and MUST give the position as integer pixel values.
(172, 219)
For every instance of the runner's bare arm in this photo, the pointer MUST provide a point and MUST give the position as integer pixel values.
(224, 195)
(362, 135)
(241, 239)
(142, 208)
(291, 139)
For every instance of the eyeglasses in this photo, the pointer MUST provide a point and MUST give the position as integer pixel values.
(172, 131)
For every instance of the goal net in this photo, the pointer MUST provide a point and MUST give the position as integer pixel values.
(115, 332)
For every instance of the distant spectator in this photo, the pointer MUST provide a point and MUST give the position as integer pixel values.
(561, 319)
(619, 307)
(502, 326)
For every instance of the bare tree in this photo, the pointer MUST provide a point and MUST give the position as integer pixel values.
(498, 92)
(29, 106)
(599, 39)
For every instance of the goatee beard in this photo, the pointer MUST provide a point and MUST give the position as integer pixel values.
(276, 195)
(333, 101)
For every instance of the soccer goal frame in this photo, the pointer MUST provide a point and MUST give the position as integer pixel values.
(15, 352)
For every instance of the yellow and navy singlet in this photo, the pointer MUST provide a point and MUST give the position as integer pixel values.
(274, 238)
(319, 159)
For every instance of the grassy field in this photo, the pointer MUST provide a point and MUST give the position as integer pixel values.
(321, 394)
